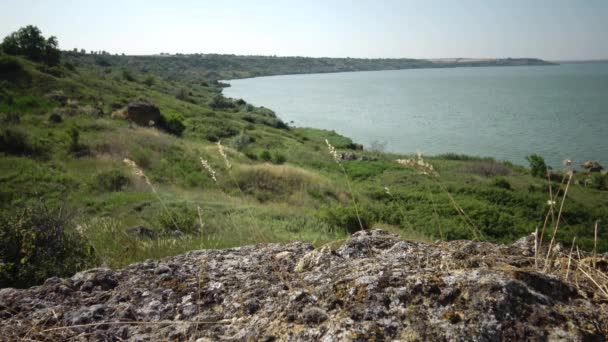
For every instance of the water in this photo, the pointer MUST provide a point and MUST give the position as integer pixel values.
(507, 113)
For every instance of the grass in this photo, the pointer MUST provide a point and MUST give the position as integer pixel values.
(308, 197)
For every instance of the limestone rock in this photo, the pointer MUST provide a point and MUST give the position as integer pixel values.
(374, 287)
(143, 113)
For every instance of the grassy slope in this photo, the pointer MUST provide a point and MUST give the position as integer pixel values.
(307, 198)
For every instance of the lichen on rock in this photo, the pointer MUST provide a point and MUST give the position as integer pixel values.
(374, 287)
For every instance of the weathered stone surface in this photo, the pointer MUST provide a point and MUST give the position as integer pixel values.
(374, 287)
(592, 166)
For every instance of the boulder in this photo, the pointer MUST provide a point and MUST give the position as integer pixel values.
(55, 118)
(143, 113)
(376, 286)
(592, 166)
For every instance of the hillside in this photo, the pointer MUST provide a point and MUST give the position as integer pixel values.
(374, 287)
(204, 67)
(69, 201)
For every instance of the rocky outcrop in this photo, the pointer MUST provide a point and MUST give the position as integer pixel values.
(142, 113)
(592, 166)
(374, 287)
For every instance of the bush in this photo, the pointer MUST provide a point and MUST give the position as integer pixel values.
(114, 180)
(74, 139)
(37, 244)
(344, 217)
(265, 156)
(149, 81)
(598, 181)
(501, 183)
(127, 76)
(538, 168)
(9, 65)
(220, 102)
(17, 142)
(173, 123)
(242, 141)
(182, 94)
(181, 215)
(278, 158)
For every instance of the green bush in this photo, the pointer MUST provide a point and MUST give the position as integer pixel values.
(242, 141)
(9, 65)
(501, 183)
(344, 217)
(18, 142)
(173, 123)
(37, 244)
(598, 181)
(114, 180)
(179, 217)
(127, 76)
(74, 139)
(221, 102)
(265, 156)
(278, 158)
(538, 168)
(149, 81)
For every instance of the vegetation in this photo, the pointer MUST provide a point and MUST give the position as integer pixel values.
(29, 42)
(271, 183)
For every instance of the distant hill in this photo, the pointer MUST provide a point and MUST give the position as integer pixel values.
(199, 67)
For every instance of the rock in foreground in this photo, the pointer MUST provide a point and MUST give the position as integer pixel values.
(374, 287)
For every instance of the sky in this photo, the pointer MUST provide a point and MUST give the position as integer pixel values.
(548, 29)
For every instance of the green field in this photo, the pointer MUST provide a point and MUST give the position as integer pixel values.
(282, 185)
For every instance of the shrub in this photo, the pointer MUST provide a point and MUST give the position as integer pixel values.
(127, 76)
(278, 158)
(538, 168)
(74, 139)
(182, 94)
(598, 181)
(17, 142)
(501, 183)
(9, 65)
(37, 244)
(220, 102)
(181, 215)
(114, 180)
(173, 123)
(265, 156)
(344, 217)
(242, 141)
(149, 81)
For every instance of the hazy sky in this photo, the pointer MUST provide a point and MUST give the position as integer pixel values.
(549, 29)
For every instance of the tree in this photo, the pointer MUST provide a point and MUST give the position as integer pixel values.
(29, 42)
(538, 168)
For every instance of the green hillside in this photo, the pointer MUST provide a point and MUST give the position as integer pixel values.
(69, 201)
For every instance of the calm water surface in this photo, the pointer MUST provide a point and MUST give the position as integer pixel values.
(558, 112)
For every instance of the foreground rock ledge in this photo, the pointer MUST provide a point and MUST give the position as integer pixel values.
(374, 287)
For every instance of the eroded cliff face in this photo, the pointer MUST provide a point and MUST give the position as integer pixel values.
(374, 287)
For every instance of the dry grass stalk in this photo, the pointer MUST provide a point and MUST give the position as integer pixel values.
(334, 153)
(209, 169)
(140, 173)
(559, 215)
(595, 244)
(570, 258)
